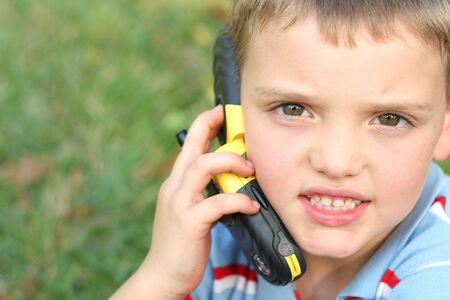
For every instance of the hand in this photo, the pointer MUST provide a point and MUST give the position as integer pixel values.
(181, 232)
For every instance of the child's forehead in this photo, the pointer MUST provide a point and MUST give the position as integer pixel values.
(302, 55)
(307, 33)
(340, 22)
(347, 37)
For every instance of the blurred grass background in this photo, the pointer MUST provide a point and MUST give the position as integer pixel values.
(91, 95)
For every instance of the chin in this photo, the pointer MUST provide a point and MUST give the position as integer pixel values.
(330, 247)
(330, 251)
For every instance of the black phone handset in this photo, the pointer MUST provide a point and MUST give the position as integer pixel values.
(262, 236)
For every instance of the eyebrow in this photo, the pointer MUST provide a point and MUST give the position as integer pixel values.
(399, 105)
(275, 92)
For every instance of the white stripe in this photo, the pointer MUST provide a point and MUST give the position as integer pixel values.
(235, 281)
(383, 291)
(436, 264)
(439, 211)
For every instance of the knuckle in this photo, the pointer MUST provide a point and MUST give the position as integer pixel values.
(232, 157)
(202, 118)
(165, 185)
(166, 188)
(200, 163)
(218, 203)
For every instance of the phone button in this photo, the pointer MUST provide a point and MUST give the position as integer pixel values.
(261, 265)
(259, 197)
(285, 248)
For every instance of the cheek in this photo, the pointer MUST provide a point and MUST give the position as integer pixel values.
(398, 181)
(270, 161)
(278, 167)
(276, 151)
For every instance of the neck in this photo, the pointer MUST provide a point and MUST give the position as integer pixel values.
(327, 276)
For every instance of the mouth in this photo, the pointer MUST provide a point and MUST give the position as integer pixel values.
(334, 207)
(333, 203)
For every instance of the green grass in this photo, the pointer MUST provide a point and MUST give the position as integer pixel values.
(91, 95)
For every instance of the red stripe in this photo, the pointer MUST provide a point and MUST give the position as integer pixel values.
(351, 298)
(188, 297)
(441, 200)
(234, 269)
(297, 295)
(390, 278)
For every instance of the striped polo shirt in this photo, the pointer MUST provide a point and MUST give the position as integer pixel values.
(413, 263)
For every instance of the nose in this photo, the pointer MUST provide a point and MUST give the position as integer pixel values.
(338, 152)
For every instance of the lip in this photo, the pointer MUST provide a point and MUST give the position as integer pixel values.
(324, 190)
(334, 218)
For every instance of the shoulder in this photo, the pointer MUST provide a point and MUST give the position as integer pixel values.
(421, 268)
(428, 282)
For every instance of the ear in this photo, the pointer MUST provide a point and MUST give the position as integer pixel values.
(442, 149)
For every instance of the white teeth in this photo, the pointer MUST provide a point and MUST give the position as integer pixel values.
(338, 202)
(352, 205)
(326, 202)
(314, 200)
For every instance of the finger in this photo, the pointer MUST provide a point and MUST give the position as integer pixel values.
(212, 209)
(205, 166)
(202, 131)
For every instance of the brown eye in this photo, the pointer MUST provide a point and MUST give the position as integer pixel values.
(293, 109)
(389, 119)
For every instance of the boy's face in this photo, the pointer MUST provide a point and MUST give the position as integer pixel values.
(353, 129)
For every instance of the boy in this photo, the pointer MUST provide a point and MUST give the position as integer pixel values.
(345, 104)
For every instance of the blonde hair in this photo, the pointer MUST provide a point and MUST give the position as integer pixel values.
(339, 20)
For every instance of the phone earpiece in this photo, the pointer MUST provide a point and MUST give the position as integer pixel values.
(227, 82)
